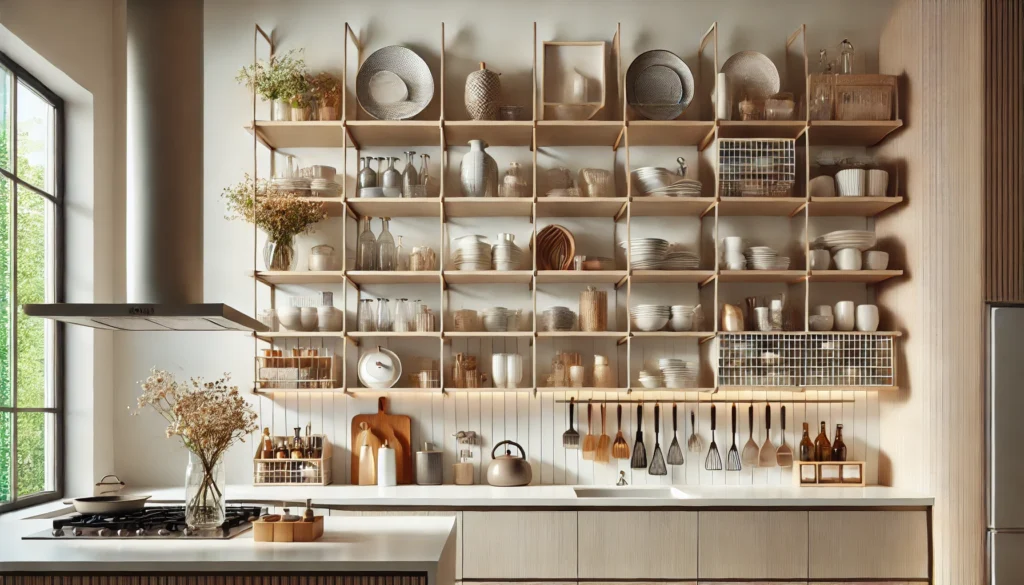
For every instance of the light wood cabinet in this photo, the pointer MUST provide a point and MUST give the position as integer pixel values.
(868, 545)
(519, 545)
(458, 526)
(646, 545)
(752, 545)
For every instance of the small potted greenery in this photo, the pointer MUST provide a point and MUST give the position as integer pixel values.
(299, 101)
(278, 81)
(281, 215)
(326, 90)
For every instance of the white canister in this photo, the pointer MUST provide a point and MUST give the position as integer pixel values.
(820, 259)
(867, 318)
(844, 315)
(499, 371)
(878, 183)
(387, 469)
(576, 376)
(513, 370)
(723, 101)
(848, 259)
(733, 244)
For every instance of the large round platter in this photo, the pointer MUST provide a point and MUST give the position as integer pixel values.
(409, 68)
(646, 77)
(751, 75)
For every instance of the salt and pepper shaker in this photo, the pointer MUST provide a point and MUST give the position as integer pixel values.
(387, 470)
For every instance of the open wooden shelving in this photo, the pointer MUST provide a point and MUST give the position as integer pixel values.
(580, 133)
(488, 276)
(851, 206)
(361, 277)
(671, 206)
(493, 132)
(488, 207)
(851, 132)
(761, 206)
(286, 134)
(395, 207)
(307, 277)
(761, 128)
(669, 132)
(670, 276)
(405, 133)
(865, 276)
(783, 276)
(581, 276)
(581, 206)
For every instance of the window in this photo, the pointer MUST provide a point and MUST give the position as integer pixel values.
(31, 271)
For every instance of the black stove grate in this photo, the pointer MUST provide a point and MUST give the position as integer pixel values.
(170, 518)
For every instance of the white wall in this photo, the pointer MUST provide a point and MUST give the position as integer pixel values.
(499, 33)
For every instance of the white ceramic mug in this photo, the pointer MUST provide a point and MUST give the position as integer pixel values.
(867, 318)
(576, 376)
(876, 260)
(848, 259)
(852, 182)
(513, 370)
(733, 244)
(823, 310)
(820, 259)
(498, 369)
(878, 183)
(844, 316)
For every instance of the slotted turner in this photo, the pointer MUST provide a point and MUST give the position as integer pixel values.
(767, 455)
(620, 448)
(590, 439)
(750, 450)
(657, 460)
(785, 455)
(675, 452)
(694, 444)
(604, 442)
(639, 460)
(714, 459)
(732, 462)
(570, 438)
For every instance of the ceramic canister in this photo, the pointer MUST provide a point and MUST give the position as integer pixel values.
(429, 470)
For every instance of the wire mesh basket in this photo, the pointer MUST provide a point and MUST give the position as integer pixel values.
(304, 369)
(763, 167)
(307, 471)
(760, 359)
(837, 359)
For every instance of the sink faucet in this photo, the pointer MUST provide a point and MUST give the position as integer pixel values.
(622, 479)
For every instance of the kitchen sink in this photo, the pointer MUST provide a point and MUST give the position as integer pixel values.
(629, 492)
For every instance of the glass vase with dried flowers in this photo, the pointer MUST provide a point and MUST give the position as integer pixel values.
(281, 215)
(208, 417)
(326, 90)
(278, 80)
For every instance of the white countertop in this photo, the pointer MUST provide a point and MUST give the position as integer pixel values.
(387, 545)
(558, 496)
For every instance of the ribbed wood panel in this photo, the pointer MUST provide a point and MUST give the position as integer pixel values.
(932, 429)
(261, 579)
(868, 545)
(1004, 150)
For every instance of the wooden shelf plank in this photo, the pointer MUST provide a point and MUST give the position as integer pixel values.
(298, 390)
(640, 206)
(314, 134)
(396, 277)
(395, 390)
(609, 334)
(761, 128)
(762, 206)
(493, 132)
(865, 276)
(276, 277)
(784, 276)
(335, 206)
(299, 334)
(395, 207)
(580, 276)
(578, 132)
(641, 390)
(580, 206)
(488, 276)
(850, 132)
(668, 132)
(358, 334)
(490, 390)
(369, 133)
(463, 334)
(570, 389)
(488, 207)
(670, 276)
(676, 334)
(851, 206)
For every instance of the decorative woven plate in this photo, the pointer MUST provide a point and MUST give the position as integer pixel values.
(556, 248)
(751, 75)
(410, 69)
(648, 79)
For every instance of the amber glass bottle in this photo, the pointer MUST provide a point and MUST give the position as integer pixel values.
(267, 447)
(822, 448)
(298, 451)
(806, 447)
(839, 447)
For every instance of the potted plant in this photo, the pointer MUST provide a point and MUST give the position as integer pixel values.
(208, 417)
(277, 81)
(326, 90)
(281, 215)
(299, 100)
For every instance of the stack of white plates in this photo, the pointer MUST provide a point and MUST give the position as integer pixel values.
(506, 255)
(860, 239)
(781, 263)
(680, 260)
(761, 258)
(650, 317)
(495, 319)
(651, 379)
(646, 253)
(660, 182)
(678, 373)
(324, 188)
(471, 253)
(291, 183)
(557, 319)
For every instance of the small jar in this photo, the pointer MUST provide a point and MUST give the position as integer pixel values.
(322, 258)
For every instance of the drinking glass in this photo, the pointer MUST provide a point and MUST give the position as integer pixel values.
(401, 320)
(383, 315)
(365, 321)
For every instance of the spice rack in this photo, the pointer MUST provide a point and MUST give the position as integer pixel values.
(305, 471)
(829, 473)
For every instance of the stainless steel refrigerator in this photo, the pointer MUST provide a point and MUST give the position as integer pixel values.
(1004, 428)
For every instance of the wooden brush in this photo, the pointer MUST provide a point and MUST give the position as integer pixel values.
(590, 439)
(620, 448)
(604, 442)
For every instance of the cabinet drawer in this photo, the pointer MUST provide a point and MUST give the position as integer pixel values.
(458, 526)
(869, 545)
(753, 545)
(646, 545)
(519, 545)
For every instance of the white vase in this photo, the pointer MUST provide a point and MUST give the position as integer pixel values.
(282, 111)
(478, 172)
(513, 370)
(498, 371)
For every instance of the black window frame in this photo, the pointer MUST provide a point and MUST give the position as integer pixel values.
(19, 74)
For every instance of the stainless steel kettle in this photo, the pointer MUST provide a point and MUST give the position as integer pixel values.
(509, 470)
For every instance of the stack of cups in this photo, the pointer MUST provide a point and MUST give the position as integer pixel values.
(506, 370)
(733, 253)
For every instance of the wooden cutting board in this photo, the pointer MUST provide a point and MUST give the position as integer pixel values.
(395, 429)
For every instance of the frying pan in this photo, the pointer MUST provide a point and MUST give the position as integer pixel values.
(109, 504)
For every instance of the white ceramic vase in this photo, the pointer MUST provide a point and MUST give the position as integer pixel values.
(478, 172)
(867, 318)
(498, 370)
(513, 370)
(844, 316)
(282, 111)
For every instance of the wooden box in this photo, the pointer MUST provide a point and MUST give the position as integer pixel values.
(264, 531)
(828, 473)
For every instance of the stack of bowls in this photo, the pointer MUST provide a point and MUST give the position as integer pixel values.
(495, 319)
(681, 318)
(765, 258)
(558, 319)
(506, 255)
(649, 379)
(650, 317)
(660, 182)
(646, 253)
(678, 373)
(680, 260)
(472, 253)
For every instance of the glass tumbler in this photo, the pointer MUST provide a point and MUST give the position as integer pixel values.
(383, 315)
(365, 315)
(401, 321)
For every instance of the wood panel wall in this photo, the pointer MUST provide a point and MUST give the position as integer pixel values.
(1004, 150)
(932, 429)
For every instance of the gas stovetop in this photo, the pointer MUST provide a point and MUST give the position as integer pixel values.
(152, 522)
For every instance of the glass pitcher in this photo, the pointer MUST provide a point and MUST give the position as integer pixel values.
(410, 178)
(401, 320)
(364, 317)
(385, 247)
(401, 256)
(383, 315)
(366, 247)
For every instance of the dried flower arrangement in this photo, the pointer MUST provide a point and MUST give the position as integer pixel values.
(208, 417)
(282, 78)
(281, 215)
(326, 88)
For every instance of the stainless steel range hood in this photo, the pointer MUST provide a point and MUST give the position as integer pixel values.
(165, 183)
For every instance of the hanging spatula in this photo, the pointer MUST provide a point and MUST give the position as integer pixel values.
(675, 453)
(767, 456)
(604, 441)
(620, 448)
(657, 460)
(639, 460)
(714, 458)
(785, 455)
(570, 438)
(590, 439)
(694, 444)
(732, 462)
(750, 450)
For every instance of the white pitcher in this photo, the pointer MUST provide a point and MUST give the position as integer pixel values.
(498, 370)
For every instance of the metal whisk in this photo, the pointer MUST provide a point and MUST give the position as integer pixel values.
(714, 459)
(732, 462)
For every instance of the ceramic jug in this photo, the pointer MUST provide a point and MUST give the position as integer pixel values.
(478, 172)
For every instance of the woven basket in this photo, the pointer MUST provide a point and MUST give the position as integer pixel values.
(483, 91)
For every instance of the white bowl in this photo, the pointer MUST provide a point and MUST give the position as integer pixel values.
(820, 322)
(823, 186)
(878, 183)
(651, 382)
(820, 259)
(867, 318)
(848, 259)
(852, 182)
(651, 323)
(875, 260)
(682, 322)
(290, 318)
